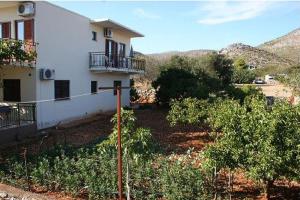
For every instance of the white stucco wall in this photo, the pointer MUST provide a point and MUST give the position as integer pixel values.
(65, 40)
(27, 77)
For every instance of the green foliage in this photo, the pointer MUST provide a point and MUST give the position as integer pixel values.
(188, 110)
(262, 140)
(94, 169)
(243, 76)
(241, 73)
(178, 83)
(293, 79)
(136, 141)
(184, 77)
(240, 93)
(182, 180)
(240, 64)
(223, 68)
(14, 49)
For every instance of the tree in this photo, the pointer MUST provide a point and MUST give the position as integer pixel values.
(178, 83)
(241, 72)
(262, 140)
(223, 69)
(137, 143)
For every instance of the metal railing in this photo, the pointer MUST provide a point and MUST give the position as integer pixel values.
(17, 114)
(17, 52)
(100, 60)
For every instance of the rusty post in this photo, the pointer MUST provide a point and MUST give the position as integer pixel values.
(119, 143)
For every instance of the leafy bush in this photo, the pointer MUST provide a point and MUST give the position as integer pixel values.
(262, 140)
(188, 110)
(178, 83)
(19, 50)
(93, 170)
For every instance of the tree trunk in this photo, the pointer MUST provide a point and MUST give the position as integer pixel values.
(267, 186)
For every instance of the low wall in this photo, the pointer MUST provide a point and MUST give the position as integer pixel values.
(13, 134)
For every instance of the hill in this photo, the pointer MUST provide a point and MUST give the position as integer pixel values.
(191, 53)
(287, 46)
(255, 57)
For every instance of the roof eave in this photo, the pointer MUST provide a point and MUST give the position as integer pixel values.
(133, 33)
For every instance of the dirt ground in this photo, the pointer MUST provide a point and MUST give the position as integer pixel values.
(178, 139)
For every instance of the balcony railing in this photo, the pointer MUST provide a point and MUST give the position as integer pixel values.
(16, 114)
(99, 60)
(17, 53)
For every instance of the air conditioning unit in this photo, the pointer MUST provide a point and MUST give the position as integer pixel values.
(47, 74)
(108, 33)
(26, 9)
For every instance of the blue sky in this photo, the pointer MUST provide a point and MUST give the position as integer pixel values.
(181, 26)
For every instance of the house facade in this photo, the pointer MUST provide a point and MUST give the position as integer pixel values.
(75, 56)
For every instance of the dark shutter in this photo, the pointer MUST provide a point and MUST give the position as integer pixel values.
(28, 29)
(62, 89)
(93, 87)
(116, 84)
(5, 30)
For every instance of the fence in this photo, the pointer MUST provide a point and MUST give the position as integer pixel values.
(100, 59)
(17, 114)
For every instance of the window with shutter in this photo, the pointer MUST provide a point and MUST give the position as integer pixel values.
(62, 89)
(25, 30)
(5, 30)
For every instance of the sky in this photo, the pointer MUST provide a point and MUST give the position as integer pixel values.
(184, 25)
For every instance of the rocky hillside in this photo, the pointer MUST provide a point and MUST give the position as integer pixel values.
(255, 57)
(287, 46)
(192, 53)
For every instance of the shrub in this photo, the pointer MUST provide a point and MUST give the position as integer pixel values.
(178, 83)
(188, 110)
(262, 140)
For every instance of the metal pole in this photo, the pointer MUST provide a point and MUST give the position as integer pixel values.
(119, 143)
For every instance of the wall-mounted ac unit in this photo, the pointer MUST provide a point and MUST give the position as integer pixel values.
(47, 74)
(26, 9)
(108, 33)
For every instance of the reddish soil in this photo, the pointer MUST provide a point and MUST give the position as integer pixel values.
(172, 139)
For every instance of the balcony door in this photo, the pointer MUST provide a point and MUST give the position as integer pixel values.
(12, 90)
(111, 51)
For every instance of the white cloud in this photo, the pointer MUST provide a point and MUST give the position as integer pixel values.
(143, 14)
(222, 11)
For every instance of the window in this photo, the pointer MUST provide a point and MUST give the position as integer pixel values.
(62, 89)
(116, 84)
(5, 30)
(24, 29)
(93, 87)
(94, 35)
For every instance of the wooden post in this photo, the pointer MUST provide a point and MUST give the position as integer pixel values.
(119, 143)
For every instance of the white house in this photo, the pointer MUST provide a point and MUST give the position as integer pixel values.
(74, 57)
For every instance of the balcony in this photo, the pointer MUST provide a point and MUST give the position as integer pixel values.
(17, 53)
(16, 114)
(100, 62)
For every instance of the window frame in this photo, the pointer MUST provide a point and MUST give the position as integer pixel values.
(57, 93)
(9, 29)
(94, 35)
(17, 29)
(94, 88)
